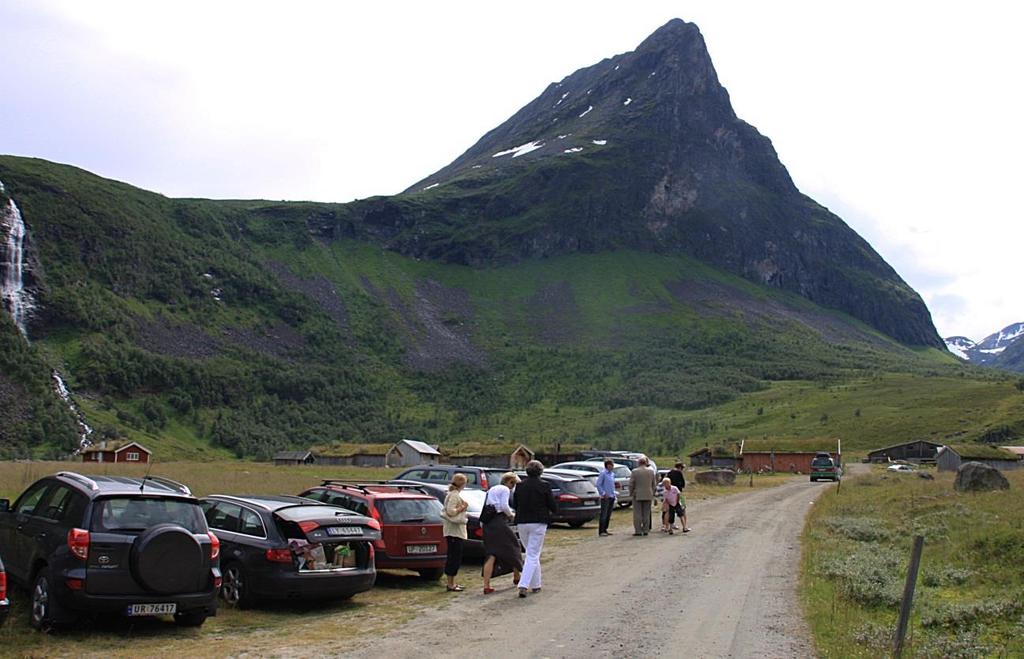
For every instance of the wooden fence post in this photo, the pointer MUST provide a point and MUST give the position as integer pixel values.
(908, 595)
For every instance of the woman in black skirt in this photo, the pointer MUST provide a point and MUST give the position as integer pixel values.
(501, 546)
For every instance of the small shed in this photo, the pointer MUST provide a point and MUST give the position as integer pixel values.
(356, 455)
(714, 456)
(123, 451)
(952, 456)
(786, 455)
(919, 451)
(285, 458)
(410, 452)
(520, 456)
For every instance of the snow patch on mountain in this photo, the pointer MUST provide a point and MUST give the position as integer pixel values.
(520, 150)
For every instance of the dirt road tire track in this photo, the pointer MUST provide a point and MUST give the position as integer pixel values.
(729, 589)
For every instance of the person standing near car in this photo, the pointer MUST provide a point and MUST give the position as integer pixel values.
(642, 489)
(606, 488)
(534, 503)
(501, 546)
(454, 519)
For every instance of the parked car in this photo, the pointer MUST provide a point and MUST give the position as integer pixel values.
(5, 604)
(111, 545)
(576, 498)
(823, 467)
(621, 472)
(474, 544)
(901, 468)
(631, 460)
(411, 528)
(285, 547)
(481, 478)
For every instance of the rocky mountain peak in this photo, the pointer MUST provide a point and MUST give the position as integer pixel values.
(644, 151)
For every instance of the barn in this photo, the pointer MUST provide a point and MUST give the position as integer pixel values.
(715, 456)
(952, 456)
(918, 451)
(286, 458)
(123, 451)
(409, 453)
(355, 455)
(786, 455)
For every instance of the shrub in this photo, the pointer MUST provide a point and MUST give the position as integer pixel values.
(870, 575)
(966, 614)
(862, 529)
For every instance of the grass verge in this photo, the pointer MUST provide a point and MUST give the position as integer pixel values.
(970, 590)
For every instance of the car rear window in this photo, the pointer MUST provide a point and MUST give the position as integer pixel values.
(821, 462)
(621, 472)
(140, 513)
(581, 486)
(421, 511)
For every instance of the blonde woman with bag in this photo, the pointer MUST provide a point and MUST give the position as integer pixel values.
(454, 518)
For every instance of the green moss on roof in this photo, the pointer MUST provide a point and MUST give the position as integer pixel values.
(790, 445)
(719, 451)
(349, 450)
(983, 452)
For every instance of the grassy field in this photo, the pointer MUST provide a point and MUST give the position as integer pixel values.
(397, 597)
(970, 593)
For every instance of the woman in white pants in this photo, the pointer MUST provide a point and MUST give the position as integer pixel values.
(534, 504)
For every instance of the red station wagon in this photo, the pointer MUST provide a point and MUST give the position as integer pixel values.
(412, 536)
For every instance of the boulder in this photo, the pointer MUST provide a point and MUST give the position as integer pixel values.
(979, 477)
(925, 475)
(716, 477)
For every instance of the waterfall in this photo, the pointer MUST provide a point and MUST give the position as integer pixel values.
(84, 431)
(17, 301)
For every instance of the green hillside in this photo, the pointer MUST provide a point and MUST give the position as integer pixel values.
(210, 329)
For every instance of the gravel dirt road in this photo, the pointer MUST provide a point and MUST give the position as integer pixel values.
(728, 589)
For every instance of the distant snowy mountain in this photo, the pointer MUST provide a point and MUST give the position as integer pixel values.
(960, 346)
(1000, 350)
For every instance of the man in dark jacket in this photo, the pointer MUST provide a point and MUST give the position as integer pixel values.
(534, 504)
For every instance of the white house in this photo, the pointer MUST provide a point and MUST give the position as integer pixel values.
(409, 453)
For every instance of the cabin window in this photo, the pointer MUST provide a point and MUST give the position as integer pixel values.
(133, 456)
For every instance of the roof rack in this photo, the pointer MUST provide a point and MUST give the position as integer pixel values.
(80, 478)
(167, 482)
(365, 486)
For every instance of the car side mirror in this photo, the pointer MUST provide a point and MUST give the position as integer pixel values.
(5, 505)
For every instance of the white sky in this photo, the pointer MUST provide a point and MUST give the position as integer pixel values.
(903, 118)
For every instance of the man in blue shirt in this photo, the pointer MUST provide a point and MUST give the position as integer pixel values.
(606, 488)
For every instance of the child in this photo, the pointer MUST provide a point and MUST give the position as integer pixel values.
(669, 506)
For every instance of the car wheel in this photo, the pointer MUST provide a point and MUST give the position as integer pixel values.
(45, 611)
(578, 523)
(431, 574)
(625, 504)
(190, 618)
(235, 587)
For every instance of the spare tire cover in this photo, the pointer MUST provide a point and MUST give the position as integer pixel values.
(168, 559)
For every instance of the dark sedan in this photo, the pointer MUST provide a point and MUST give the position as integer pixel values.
(576, 498)
(284, 547)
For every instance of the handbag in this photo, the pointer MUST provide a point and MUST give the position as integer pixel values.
(487, 513)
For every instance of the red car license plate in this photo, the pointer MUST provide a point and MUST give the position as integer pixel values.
(421, 549)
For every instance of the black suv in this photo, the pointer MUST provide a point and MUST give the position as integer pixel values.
(111, 544)
(478, 478)
(281, 547)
